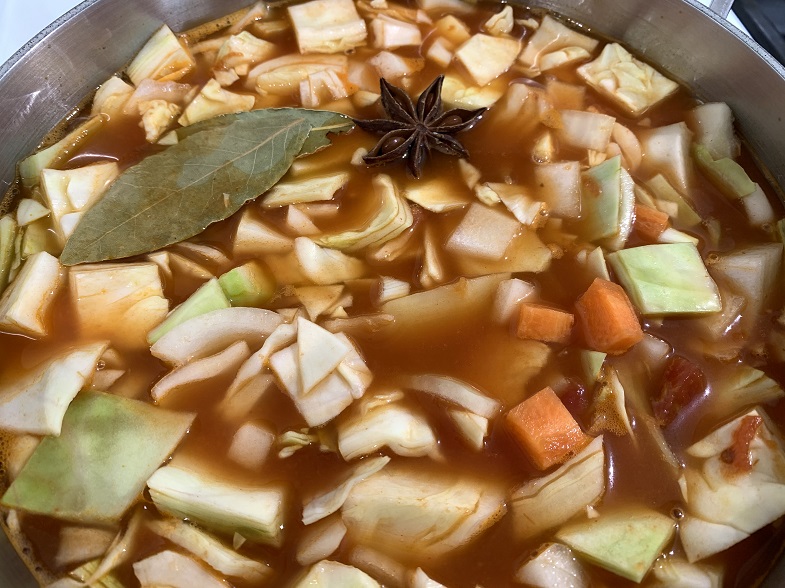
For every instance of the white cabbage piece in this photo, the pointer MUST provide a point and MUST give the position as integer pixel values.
(738, 387)
(377, 564)
(712, 124)
(543, 503)
(752, 273)
(111, 96)
(255, 512)
(164, 57)
(483, 232)
(77, 545)
(509, 295)
(213, 100)
(255, 238)
(221, 364)
(37, 400)
(327, 503)
(438, 194)
(553, 564)
(319, 300)
(174, 570)
(248, 388)
(666, 150)
(322, 372)
(551, 37)
(29, 211)
(84, 576)
(472, 428)
(31, 167)
(243, 50)
(299, 223)
(69, 193)
(153, 91)
(633, 85)
(486, 57)
(430, 513)
(327, 26)
(251, 445)
(383, 420)
(208, 333)
(609, 409)
(419, 579)
(500, 23)
(331, 574)
(392, 66)
(210, 550)
(390, 288)
(454, 392)
(393, 218)
(457, 301)
(560, 187)
(313, 189)
(158, 116)
(391, 33)
(674, 572)
(283, 75)
(456, 93)
(739, 501)
(526, 253)
(586, 130)
(25, 303)
(320, 540)
(121, 302)
(324, 265)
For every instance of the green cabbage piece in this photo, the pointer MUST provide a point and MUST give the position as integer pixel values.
(126, 441)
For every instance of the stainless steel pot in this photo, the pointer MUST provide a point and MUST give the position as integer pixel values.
(42, 83)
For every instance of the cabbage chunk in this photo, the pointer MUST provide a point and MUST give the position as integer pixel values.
(331, 574)
(408, 511)
(36, 401)
(726, 503)
(633, 85)
(164, 57)
(24, 306)
(327, 26)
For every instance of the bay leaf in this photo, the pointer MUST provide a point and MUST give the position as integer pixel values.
(217, 166)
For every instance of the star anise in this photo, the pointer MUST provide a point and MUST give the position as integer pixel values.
(412, 131)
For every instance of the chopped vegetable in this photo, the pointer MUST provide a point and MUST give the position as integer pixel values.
(625, 541)
(256, 512)
(24, 305)
(206, 334)
(164, 57)
(727, 175)
(385, 421)
(550, 37)
(332, 574)
(633, 85)
(485, 58)
(586, 130)
(210, 550)
(174, 570)
(553, 565)
(248, 285)
(650, 222)
(544, 503)
(543, 323)
(667, 150)
(315, 189)
(546, 431)
(683, 382)
(666, 279)
(213, 100)
(483, 232)
(607, 318)
(127, 440)
(454, 392)
(560, 187)
(735, 488)
(206, 299)
(327, 26)
(404, 510)
(712, 124)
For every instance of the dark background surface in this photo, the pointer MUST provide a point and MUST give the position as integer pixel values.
(765, 20)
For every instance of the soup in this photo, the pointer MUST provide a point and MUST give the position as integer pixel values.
(366, 293)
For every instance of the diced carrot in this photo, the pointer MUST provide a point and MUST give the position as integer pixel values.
(543, 323)
(543, 427)
(650, 222)
(607, 318)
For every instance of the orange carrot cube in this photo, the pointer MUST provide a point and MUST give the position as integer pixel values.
(545, 430)
(608, 318)
(543, 323)
(650, 222)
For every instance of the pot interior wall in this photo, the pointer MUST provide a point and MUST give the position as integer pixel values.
(40, 87)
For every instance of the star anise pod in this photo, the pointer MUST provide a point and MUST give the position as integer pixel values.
(412, 131)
